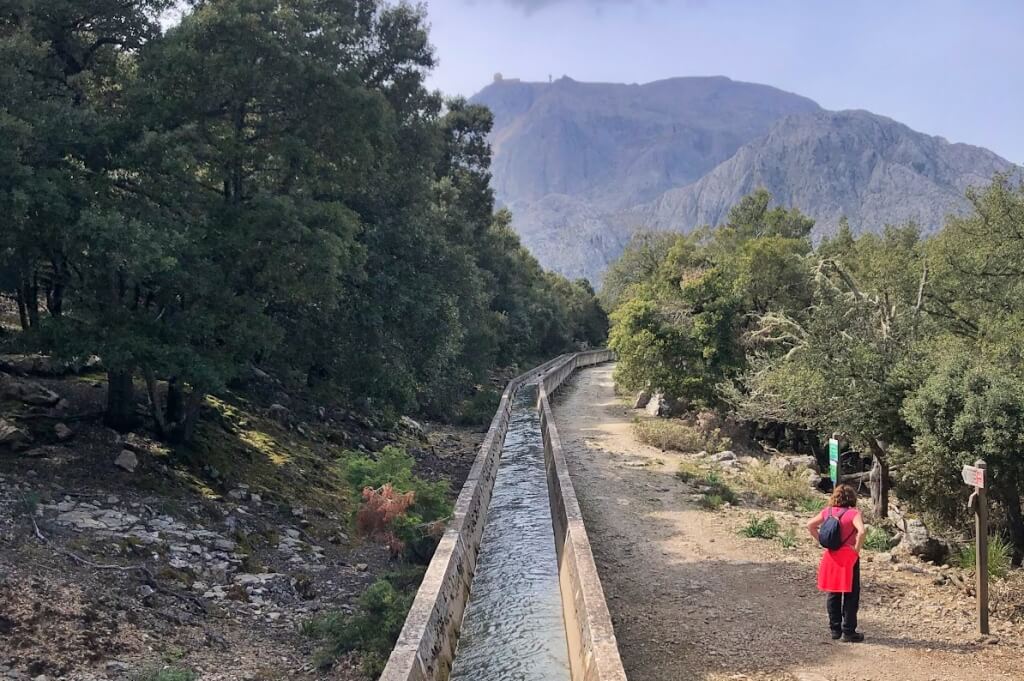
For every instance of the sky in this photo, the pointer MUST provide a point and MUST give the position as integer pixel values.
(953, 68)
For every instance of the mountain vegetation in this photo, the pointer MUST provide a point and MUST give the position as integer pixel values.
(903, 345)
(584, 166)
(261, 183)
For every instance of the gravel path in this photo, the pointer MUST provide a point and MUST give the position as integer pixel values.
(691, 599)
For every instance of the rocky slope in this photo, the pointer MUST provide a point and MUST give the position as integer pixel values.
(585, 165)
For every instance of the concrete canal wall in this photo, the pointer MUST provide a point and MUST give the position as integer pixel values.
(427, 645)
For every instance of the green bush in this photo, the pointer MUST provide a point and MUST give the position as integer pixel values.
(718, 486)
(165, 674)
(761, 528)
(813, 503)
(676, 435)
(788, 539)
(393, 466)
(712, 502)
(877, 539)
(479, 409)
(371, 631)
(1000, 553)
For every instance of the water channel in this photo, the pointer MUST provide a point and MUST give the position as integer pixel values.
(513, 628)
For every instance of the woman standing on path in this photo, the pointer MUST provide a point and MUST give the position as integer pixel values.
(839, 570)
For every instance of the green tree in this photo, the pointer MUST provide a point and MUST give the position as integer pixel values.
(968, 408)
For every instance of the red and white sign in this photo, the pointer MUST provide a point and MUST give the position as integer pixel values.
(974, 476)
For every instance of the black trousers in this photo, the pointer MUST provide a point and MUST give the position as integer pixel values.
(842, 608)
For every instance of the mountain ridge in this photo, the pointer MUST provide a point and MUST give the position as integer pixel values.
(583, 166)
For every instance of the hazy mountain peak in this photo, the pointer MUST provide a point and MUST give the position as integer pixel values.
(584, 165)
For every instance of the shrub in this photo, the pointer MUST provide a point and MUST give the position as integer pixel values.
(479, 409)
(999, 556)
(689, 471)
(397, 507)
(676, 435)
(877, 539)
(761, 528)
(712, 502)
(718, 487)
(371, 631)
(788, 539)
(165, 674)
(812, 503)
(774, 483)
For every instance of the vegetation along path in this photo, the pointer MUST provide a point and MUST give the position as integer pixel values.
(692, 599)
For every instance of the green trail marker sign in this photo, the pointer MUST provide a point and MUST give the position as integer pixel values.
(833, 460)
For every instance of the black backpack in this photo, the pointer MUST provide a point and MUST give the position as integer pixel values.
(830, 534)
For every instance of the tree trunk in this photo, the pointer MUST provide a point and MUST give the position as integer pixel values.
(1015, 520)
(55, 290)
(188, 428)
(879, 480)
(22, 309)
(175, 401)
(30, 298)
(157, 409)
(120, 414)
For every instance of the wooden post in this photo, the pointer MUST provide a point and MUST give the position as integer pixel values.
(981, 529)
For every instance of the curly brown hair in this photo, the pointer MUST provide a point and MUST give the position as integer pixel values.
(843, 496)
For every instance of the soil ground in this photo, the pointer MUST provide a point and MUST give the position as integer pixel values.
(691, 599)
(208, 560)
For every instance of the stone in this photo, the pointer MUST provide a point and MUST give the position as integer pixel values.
(279, 412)
(127, 460)
(12, 436)
(659, 405)
(28, 392)
(642, 399)
(414, 427)
(885, 558)
(63, 432)
(795, 464)
(362, 567)
(727, 455)
(917, 541)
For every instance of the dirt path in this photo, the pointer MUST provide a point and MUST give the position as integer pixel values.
(691, 599)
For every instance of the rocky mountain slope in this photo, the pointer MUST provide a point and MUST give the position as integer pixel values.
(585, 165)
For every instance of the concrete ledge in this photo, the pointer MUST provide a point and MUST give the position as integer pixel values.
(426, 646)
(593, 649)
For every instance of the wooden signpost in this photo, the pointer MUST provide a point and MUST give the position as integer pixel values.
(975, 476)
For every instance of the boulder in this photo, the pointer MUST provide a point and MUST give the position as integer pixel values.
(795, 463)
(63, 432)
(127, 460)
(280, 413)
(659, 405)
(643, 398)
(12, 436)
(42, 365)
(28, 392)
(414, 427)
(727, 455)
(916, 541)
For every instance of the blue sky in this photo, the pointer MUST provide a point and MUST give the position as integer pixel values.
(944, 67)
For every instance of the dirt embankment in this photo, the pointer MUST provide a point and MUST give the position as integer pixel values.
(691, 599)
(118, 555)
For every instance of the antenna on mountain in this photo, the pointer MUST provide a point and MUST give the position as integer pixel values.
(550, 78)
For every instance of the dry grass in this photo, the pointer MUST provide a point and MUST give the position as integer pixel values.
(676, 435)
(773, 483)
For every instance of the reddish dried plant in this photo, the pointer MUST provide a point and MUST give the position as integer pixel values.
(380, 510)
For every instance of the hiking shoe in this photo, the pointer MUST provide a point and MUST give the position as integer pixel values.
(836, 635)
(855, 637)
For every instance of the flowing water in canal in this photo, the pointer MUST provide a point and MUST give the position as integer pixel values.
(513, 628)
